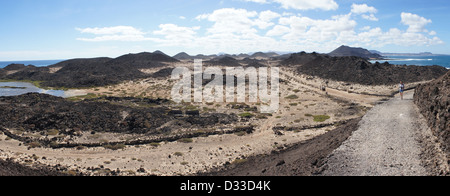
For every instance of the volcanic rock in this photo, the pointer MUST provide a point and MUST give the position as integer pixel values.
(433, 100)
(358, 52)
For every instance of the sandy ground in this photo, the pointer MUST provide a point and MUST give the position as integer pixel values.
(205, 153)
(168, 159)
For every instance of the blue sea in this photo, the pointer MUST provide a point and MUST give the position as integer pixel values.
(443, 61)
(40, 63)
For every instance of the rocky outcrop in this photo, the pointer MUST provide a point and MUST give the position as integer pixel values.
(301, 58)
(10, 168)
(82, 73)
(433, 100)
(183, 56)
(39, 112)
(224, 61)
(359, 70)
(14, 67)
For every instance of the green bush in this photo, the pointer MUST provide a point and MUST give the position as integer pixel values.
(115, 147)
(239, 161)
(292, 97)
(185, 140)
(321, 118)
(178, 154)
(246, 115)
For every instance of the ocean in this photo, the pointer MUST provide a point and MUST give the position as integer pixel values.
(443, 61)
(40, 63)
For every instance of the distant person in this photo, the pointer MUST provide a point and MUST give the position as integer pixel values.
(402, 89)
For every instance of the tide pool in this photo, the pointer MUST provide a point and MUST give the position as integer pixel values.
(20, 88)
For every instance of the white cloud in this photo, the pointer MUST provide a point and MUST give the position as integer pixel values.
(305, 28)
(363, 8)
(175, 35)
(371, 17)
(366, 12)
(308, 4)
(278, 31)
(117, 33)
(230, 20)
(257, 1)
(111, 30)
(415, 22)
(265, 19)
(376, 37)
(302, 4)
(234, 30)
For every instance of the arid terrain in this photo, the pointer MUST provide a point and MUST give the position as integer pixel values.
(128, 125)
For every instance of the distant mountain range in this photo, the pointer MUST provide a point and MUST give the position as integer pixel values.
(342, 51)
(185, 56)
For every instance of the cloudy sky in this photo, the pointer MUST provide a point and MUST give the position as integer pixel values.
(55, 29)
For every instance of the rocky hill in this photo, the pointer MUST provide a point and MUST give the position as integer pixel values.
(2, 73)
(301, 58)
(14, 67)
(183, 56)
(433, 100)
(224, 61)
(92, 72)
(349, 51)
(264, 55)
(359, 70)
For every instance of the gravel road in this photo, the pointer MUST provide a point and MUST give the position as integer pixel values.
(386, 143)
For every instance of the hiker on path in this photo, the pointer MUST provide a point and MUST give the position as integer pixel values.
(402, 89)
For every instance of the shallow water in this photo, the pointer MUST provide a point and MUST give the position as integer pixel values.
(24, 88)
(418, 60)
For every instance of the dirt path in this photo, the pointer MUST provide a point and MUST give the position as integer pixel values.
(302, 159)
(386, 144)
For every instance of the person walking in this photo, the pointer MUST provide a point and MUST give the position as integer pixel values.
(402, 89)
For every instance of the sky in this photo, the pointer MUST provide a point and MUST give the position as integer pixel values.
(55, 29)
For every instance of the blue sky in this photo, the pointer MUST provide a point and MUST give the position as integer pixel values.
(55, 29)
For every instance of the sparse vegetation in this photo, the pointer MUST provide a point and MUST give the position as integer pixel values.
(292, 97)
(115, 147)
(34, 145)
(246, 115)
(321, 118)
(186, 140)
(154, 144)
(52, 132)
(240, 133)
(239, 161)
